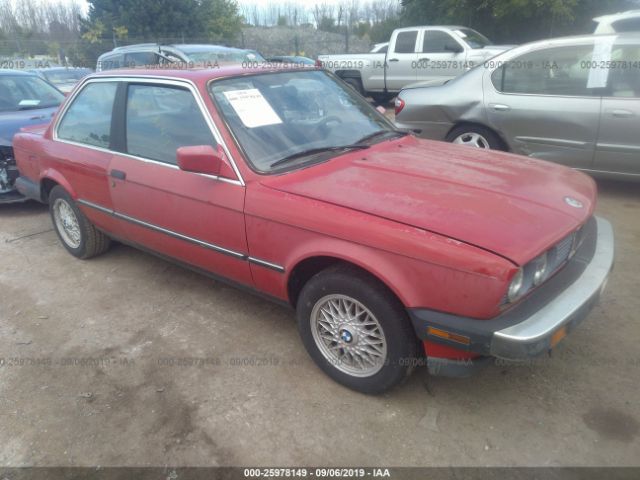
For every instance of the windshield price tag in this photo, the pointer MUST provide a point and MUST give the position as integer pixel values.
(252, 108)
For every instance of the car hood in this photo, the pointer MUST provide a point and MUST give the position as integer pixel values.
(510, 205)
(12, 122)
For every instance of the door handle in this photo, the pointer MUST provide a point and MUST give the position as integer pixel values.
(498, 107)
(619, 113)
(119, 174)
(394, 60)
(424, 59)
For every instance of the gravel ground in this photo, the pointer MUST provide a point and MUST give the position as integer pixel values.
(129, 360)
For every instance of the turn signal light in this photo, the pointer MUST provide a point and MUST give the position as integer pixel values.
(454, 337)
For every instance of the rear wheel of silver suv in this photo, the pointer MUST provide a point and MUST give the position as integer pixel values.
(356, 330)
(78, 235)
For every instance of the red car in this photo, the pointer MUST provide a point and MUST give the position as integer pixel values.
(392, 250)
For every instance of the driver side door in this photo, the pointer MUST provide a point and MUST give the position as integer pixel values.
(195, 218)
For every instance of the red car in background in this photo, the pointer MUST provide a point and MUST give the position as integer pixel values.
(390, 248)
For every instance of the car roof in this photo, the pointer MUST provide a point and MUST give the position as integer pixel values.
(447, 27)
(617, 16)
(196, 73)
(8, 72)
(200, 47)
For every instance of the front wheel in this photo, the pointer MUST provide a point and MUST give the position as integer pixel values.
(356, 331)
(475, 136)
(78, 235)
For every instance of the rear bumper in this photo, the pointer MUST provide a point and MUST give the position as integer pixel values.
(540, 321)
(28, 188)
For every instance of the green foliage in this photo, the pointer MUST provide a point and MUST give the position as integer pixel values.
(513, 21)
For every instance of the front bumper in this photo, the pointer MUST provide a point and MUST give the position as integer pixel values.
(540, 321)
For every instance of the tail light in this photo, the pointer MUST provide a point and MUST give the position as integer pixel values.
(399, 105)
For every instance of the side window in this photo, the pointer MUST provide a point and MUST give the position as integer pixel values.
(136, 59)
(624, 74)
(627, 25)
(555, 71)
(111, 62)
(88, 119)
(384, 49)
(438, 42)
(162, 118)
(406, 42)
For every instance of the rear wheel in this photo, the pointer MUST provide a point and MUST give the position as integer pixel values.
(475, 136)
(78, 235)
(355, 330)
(355, 83)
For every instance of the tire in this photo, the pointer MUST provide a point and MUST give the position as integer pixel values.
(476, 136)
(356, 84)
(77, 234)
(382, 98)
(381, 315)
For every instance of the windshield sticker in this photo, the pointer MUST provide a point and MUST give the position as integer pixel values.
(252, 108)
(28, 103)
(599, 74)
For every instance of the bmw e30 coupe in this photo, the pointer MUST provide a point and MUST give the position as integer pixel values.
(390, 248)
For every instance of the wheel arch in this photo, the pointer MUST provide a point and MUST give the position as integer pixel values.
(307, 267)
(49, 180)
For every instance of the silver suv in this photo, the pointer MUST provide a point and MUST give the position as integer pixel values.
(149, 54)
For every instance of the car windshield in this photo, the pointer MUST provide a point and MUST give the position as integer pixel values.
(26, 92)
(474, 39)
(67, 75)
(222, 56)
(286, 120)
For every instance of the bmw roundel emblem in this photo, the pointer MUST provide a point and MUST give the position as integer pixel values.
(572, 202)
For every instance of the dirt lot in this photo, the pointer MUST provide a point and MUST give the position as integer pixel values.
(99, 369)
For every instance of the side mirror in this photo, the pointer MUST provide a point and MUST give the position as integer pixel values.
(453, 47)
(201, 159)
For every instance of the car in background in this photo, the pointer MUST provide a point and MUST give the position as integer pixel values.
(287, 182)
(151, 54)
(380, 48)
(573, 100)
(622, 22)
(63, 78)
(291, 60)
(25, 99)
(434, 53)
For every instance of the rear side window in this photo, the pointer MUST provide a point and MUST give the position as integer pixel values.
(136, 59)
(88, 119)
(162, 118)
(111, 62)
(562, 71)
(438, 42)
(406, 42)
(627, 25)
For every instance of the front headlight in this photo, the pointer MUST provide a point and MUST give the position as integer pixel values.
(515, 287)
(540, 272)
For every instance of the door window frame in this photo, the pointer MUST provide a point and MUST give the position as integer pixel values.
(122, 82)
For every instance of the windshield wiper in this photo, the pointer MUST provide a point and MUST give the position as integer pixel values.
(379, 133)
(312, 151)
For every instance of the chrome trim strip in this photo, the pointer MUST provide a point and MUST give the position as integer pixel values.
(161, 81)
(540, 326)
(266, 264)
(180, 236)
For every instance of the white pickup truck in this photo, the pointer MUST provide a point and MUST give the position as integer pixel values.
(415, 54)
